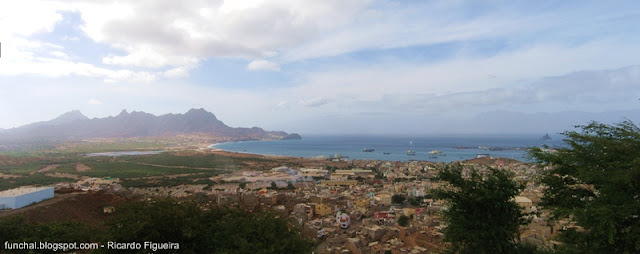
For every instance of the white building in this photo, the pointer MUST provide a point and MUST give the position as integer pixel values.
(343, 219)
(24, 196)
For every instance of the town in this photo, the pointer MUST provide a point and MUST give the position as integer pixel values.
(348, 206)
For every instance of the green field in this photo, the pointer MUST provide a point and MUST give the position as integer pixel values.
(210, 161)
(35, 179)
(164, 169)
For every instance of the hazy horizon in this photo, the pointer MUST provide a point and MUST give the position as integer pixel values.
(326, 67)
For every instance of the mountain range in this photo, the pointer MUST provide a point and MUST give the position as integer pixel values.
(74, 125)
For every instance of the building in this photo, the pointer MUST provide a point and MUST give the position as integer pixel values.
(314, 172)
(525, 203)
(339, 182)
(24, 196)
(383, 199)
(362, 203)
(323, 210)
(343, 219)
(352, 173)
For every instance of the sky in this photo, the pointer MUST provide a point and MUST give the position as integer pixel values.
(326, 67)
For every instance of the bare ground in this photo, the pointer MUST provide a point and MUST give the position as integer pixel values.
(80, 167)
(79, 206)
(64, 175)
(7, 176)
(45, 169)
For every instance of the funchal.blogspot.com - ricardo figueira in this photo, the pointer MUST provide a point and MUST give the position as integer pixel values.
(153, 246)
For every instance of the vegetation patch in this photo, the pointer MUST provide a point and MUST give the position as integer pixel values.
(38, 179)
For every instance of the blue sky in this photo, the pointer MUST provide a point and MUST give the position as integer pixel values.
(360, 66)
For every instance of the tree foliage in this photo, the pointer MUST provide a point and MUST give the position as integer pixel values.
(403, 220)
(595, 181)
(397, 198)
(215, 230)
(17, 229)
(482, 216)
(196, 230)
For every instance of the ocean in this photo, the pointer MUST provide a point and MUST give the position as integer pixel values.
(452, 148)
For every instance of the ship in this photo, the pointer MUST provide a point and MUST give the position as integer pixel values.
(386, 153)
(436, 153)
(411, 152)
(368, 150)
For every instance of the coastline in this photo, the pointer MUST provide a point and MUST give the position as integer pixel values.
(213, 148)
(221, 151)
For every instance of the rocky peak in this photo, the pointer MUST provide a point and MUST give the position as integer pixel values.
(123, 113)
(69, 117)
(200, 113)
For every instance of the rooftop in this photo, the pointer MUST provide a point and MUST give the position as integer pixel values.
(521, 199)
(20, 191)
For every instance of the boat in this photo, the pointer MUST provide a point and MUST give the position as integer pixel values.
(386, 153)
(411, 151)
(368, 150)
(435, 153)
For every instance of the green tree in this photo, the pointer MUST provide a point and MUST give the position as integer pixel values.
(213, 230)
(415, 201)
(403, 220)
(595, 182)
(159, 220)
(482, 216)
(397, 198)
(18, 229)
(242, 185)
(235, 231)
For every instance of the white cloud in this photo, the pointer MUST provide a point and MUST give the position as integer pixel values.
(55, 68)
(263, 65)
(185, 33)
(60, 54)
(286, 30)
(314, 102)
(93, 101)
(195, 29)
(178, 72)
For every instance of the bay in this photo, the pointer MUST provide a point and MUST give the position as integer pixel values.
(394, 148)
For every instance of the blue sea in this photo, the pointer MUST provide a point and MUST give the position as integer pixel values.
(452, 148)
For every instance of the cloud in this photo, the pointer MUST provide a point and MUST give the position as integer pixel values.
(314, 102)
(93, 101)
(187, 33)
(196, 29)
(178, 72)
(263, 65)
(286, 31)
